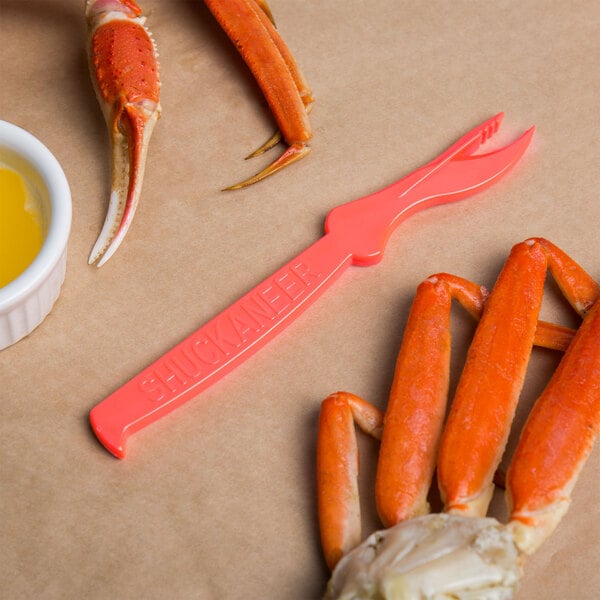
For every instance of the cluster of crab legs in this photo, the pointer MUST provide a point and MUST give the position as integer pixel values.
(124, 69)
(462, 554)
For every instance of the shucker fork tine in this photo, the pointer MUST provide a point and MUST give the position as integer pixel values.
(471, 141)
(459, 173)
(476, 172)
(434, 173)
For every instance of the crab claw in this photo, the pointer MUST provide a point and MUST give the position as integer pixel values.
(124, 70)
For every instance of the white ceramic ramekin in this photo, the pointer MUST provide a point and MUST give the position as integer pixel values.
(25, 301)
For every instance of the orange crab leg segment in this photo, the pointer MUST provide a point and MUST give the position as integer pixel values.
(124, 69)
(485, 401)
(337, 470)
(301, 84)
(564, 423)
(249, 26)
(415, 414)
(488, 390)
(552, 336)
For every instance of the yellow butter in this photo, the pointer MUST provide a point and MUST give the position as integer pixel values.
(21, 234)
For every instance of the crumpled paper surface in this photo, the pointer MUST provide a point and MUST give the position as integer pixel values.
(218, 499)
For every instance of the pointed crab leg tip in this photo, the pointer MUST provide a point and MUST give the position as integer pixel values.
(110, 250)
(104, 258)
(102, 250)
(95, 254)
(270, 143)
(98, 252)
(294, 153)
(115, 228)
(308, 101)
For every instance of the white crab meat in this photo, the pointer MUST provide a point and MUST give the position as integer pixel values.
(433, 557)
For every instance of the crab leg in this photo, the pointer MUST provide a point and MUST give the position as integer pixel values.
(564, 423)
(124, 70)
(413, 420)
(417, 404)
(487, 393)
(483, 407)
(249, 26)
(301, 84)
(337, 470)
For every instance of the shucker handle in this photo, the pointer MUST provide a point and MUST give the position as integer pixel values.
(220, 345)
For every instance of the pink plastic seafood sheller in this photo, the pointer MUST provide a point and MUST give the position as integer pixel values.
(355, 234)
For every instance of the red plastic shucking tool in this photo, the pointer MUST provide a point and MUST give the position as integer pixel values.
(355, 234)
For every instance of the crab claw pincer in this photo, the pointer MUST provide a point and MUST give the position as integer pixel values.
(124, 70)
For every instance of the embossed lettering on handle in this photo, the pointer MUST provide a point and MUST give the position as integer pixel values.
(218, 346)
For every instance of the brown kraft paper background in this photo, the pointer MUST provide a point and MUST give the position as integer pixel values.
(218, 499)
